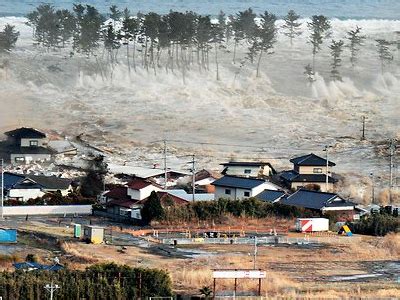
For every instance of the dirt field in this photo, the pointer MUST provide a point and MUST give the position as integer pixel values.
(335, 267)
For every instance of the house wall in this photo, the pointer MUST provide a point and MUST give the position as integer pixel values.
(254, 171)
(322, 185)
(25, 194)
(26, 142)
(63, 192)
(29, 158)
(238, 193)
(143, 193)
(311, 169)
(32, 210)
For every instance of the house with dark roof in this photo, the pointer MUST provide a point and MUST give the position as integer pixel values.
(25, 187)
(309, 171)
(32, 266)
(204, 179)
(234, 187)
(271, 196)
(321, 202)
(248, 169)
(25, 145)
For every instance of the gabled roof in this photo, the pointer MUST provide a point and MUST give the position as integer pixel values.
(182, 194)
(11, 179)
(247, 163)
(293, 176)
(139, 183)
(270, 195)
(19, 181)
(51, 182)
(118, 193)
(310, 160)
(315, 200)
(25, 132)
(238, 182)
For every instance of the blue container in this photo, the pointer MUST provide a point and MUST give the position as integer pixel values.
(8, 235)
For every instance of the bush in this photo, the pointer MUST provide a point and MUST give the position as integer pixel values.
(378, 224)
(217, 210)
(104, 281)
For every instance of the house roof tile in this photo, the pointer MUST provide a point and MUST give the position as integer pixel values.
(238, 182)
(310, 160)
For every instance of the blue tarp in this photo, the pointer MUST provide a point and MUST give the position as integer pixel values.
(8, 235)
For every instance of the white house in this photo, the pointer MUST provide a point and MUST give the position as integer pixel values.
(25, 187)
(248, 169)
(139, 189)
(233, 187)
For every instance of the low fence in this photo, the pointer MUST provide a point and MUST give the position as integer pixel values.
(34, 210)
(337, 239)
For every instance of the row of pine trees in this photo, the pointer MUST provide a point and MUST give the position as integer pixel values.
(104, 281)
(180, 41)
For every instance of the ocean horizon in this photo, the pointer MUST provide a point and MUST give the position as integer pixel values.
(340, 9)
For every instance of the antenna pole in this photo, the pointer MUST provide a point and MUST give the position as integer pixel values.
(165, 165)
(193, 177)
(2, 189)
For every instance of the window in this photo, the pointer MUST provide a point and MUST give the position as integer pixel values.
(33, 143)
(19, 159)
(247, 194)
(227, 191)
(247, 171)
(317, 170)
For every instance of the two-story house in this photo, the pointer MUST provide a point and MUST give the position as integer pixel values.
(25, 145)
(248, 169)
(309, 171)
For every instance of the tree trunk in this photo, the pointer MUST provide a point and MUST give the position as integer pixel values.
(216, 60)
(258, 63)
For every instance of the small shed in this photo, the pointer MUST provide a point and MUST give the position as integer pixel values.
(77, 230)
(93, 234)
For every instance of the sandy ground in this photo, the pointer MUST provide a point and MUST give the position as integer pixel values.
(357, 265)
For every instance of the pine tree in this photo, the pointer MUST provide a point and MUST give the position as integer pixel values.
(355, 41)
(336, 52)
(384, 53)
(8, 38)
(152, 209)
(267, 36)
(292, 26)
(67, 25)
(319, 27)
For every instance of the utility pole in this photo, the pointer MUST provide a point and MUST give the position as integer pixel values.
(373, 188)
(165, 165)
(255, 252)
(391, 148)
(51, 288)
(327, 167)
(2, 189)
(391, 167)
(193, 177)
(363, 128)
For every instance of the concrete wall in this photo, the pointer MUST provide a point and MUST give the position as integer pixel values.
(25, 194)
(27, 142)
(33, 210)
